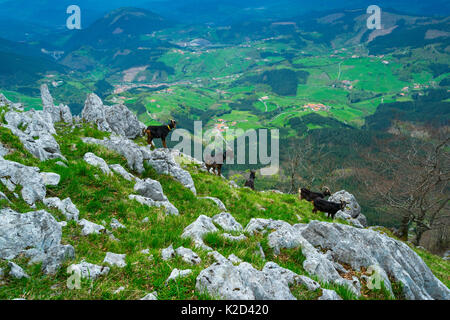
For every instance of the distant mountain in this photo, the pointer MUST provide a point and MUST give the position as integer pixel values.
(349, 28)
(120, 28)
(19, 70)
(52, 13)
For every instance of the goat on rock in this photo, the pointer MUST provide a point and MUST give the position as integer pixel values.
(331, 208)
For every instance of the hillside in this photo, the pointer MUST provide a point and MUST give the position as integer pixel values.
(127, 247)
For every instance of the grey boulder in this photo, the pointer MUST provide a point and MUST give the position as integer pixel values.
(226, 281)
(33, 186)
(198, 229)
(176, 273)
(115, 259)
(163, 161)
(218, 202)
(37, 232)
(88, 270)
(227, 222)
(169, 207)
(167, 253)
(90, 227)
(58, 113)
(151, 296)
(117, 168)
(150, 189)
(16, 271)
(50, 178)
(329, 295)
(67, 208)
(118, 118)
(35, 130)
(367, 248)
(125, 147)
(98, 162)
(353, 208)
(188, 255)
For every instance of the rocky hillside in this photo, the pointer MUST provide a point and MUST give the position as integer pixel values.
(86, 196)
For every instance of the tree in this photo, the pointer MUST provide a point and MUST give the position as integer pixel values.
(418, 184)
(308, 165)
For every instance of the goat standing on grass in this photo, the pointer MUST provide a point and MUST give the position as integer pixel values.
(251, 180)
(310, 196)
(215, 164)
(328, 207)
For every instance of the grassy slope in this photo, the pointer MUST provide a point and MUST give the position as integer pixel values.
(101, 198)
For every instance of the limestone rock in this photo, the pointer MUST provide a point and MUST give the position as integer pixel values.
(4, 197)
(198, 229)
(127, 148)
(316, 263)
(151, 296)
(178, 274)
(33, 186)
(94, 112)
(16, 271)
(58, 113)
(167, 253)
(118, 118)
(234, 259)
(188, 255)
(150, 189)
(117, 168)
(234, 238)
(163, 161)
(257, 225)
(67, 208)
(50, 178)
(329, 295)
(38, 230)
(216, 201)
(227, 222)
(115, 259)
(98, 162)
(115, 224)
(368, 248)
(3, 150)
(88, 270)
(352, 208)
(243, 282)
(90, 227)
(170, 208)
(123, 122)
(35, 130)
(308, 283)
(55, 256)
(217, 256)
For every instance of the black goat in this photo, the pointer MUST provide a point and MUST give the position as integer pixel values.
(159, 132)
(311, 196)
(216, 165)
(251, 180)
(328, 207)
